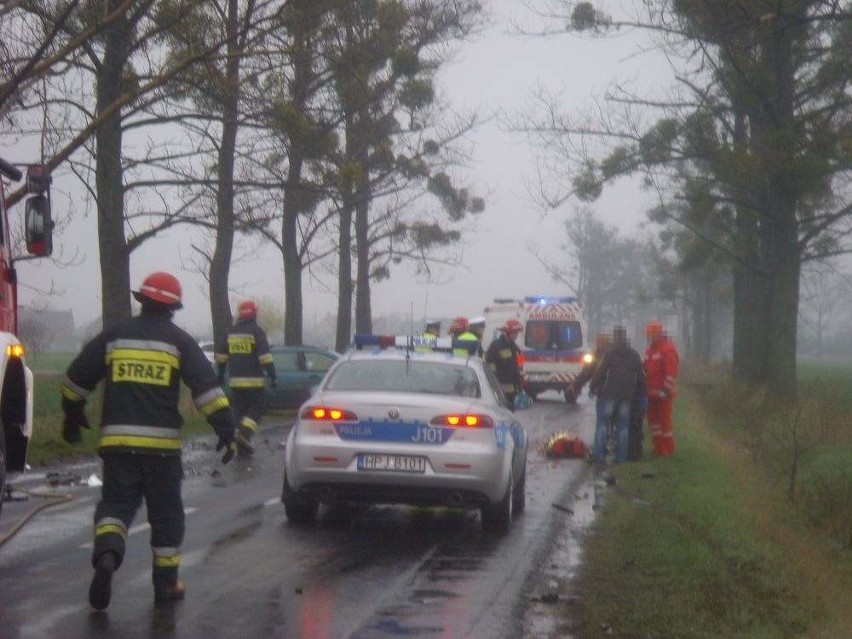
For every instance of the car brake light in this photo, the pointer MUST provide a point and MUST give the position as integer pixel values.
(326, 414)
(520, 361)
(463, 421)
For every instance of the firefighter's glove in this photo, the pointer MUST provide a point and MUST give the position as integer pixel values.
(75, 413)
(226, 442)
(71, 431)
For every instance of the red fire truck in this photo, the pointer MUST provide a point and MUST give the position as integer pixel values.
(16, 379)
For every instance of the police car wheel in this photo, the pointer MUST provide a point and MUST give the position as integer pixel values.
(299, 510)
(519, 498)
(497, 518)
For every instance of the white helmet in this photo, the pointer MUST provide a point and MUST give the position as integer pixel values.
(477, 321)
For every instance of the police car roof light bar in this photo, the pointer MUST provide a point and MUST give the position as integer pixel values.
(409, 342)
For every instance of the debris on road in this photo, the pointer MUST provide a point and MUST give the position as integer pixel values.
(564, 509)
(564, 445)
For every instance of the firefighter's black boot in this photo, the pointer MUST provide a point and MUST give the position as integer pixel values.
(100, 592)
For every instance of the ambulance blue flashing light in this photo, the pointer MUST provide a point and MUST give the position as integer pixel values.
(548, 299)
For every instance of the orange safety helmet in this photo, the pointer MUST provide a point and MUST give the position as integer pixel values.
(654, 330)
(512, 326)
(160, 287)
(458, 325)
(247, 310)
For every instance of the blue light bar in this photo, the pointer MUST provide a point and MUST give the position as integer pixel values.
(365, 339)
(412, 342)
(549, 299)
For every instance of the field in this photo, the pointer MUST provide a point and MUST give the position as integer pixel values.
(746, 532)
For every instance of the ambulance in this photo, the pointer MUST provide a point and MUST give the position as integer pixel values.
(553, 342)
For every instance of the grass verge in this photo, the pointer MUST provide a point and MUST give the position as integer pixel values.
(704, 545)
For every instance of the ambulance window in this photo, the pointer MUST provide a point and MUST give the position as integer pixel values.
(537, 334)
(553, 335)
(570, 335)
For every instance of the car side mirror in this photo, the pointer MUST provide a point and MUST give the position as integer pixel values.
(38, 226)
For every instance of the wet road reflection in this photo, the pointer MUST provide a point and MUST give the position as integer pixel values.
(359, 572)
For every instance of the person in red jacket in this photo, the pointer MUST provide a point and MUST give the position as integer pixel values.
(661, 367)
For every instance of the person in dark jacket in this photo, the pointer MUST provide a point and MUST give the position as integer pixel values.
(619, 377)
(142, 362)
(245, 357)
(502, 355)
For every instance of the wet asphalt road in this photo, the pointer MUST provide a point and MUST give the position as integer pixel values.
(375, 573)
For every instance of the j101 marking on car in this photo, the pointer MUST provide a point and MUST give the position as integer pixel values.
(408, 432)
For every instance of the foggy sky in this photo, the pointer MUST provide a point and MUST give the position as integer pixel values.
(495, 70)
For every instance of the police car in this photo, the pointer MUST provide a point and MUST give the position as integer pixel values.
(406, 420)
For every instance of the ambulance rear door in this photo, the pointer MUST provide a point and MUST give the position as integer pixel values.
(553, 343)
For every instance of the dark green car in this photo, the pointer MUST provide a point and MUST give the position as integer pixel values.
(299, 369)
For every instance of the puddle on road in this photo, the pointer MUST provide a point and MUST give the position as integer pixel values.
(546, 614)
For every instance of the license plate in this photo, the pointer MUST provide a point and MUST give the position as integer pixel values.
(538, 377)
(396, 463)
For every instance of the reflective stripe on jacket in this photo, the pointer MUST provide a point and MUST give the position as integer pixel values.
(246, 355)
(143, 362)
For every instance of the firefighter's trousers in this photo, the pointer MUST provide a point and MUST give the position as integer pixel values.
(659, 415)
(249, 406)
(128, 477)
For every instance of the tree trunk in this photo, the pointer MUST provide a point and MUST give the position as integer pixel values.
(780, 228)
(344, 279)
(293, 194)
(112, 243)
(363, 310)
(751, 314)
(292, 261)
(750, 299)
(220, 264)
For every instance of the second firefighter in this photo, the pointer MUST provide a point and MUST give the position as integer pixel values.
(246, 359)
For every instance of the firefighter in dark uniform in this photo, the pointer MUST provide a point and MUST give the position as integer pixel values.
(502, 355)
(142, 362)
(245, 356)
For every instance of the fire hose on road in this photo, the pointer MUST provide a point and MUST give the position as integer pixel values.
(54, 500)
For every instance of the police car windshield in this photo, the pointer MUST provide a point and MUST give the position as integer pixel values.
(405, 377)
(552, 334)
